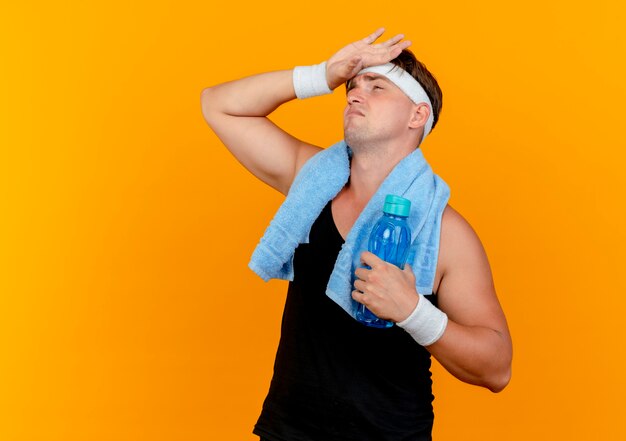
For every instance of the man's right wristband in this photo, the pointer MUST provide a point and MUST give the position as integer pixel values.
(309, 81)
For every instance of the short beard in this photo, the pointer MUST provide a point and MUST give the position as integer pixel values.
(362, 142)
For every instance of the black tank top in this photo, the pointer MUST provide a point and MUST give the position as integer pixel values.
(334, 378)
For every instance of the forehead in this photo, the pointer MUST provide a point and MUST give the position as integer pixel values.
(368, 77)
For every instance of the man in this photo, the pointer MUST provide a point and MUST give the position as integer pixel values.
(335, 378)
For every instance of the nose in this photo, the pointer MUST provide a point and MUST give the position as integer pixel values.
(354, 96)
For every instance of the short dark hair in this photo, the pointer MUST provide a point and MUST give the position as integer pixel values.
(407, 61)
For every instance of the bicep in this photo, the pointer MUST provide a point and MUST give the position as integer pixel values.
(268, 152)
(467, 293)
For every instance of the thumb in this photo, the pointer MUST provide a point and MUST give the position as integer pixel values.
(408, 269)
(408, 272)
(355, 64)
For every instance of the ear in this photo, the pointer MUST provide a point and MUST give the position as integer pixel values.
(420, 115)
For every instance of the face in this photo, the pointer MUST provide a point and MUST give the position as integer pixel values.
(377, 111)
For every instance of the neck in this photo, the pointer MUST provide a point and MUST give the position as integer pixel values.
(370, 166)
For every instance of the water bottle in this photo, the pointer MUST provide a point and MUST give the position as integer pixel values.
(390, 240)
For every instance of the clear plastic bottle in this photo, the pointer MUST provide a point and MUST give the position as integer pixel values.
(390, 240)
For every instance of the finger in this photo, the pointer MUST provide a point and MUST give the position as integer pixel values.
(360, 285)
(361, 273)
(408, 270)
(384, 54)
(384, 57)
(358, 296)
(371, 259)
(392, 40)
(395, 51)
(404, 44)
(374, 36)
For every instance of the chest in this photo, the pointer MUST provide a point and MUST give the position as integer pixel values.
(345, 213)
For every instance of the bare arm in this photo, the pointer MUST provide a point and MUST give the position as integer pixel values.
(476, 345)
(237, 111)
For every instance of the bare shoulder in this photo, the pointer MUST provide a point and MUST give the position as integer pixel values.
(459, 241)
(453, 223)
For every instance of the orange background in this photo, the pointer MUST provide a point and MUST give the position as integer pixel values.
(127, 309)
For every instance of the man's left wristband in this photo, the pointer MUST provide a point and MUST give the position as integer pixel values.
(309, 81)
(426, 324)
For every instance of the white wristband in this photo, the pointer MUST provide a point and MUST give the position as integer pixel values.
(310, 81)
(426, 323)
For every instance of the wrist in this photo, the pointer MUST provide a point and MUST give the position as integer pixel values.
(409, 303)
(426, 324)
(310, 81)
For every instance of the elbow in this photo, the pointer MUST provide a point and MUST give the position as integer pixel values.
(207, 103)
(206, 92)
(501, 373)
(498, 382)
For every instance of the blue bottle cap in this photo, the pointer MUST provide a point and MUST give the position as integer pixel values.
(397, 205)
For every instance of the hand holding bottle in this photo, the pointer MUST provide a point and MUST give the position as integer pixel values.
(388, 247)
(385, 289)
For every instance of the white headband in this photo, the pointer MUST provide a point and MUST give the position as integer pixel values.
(407, 84)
